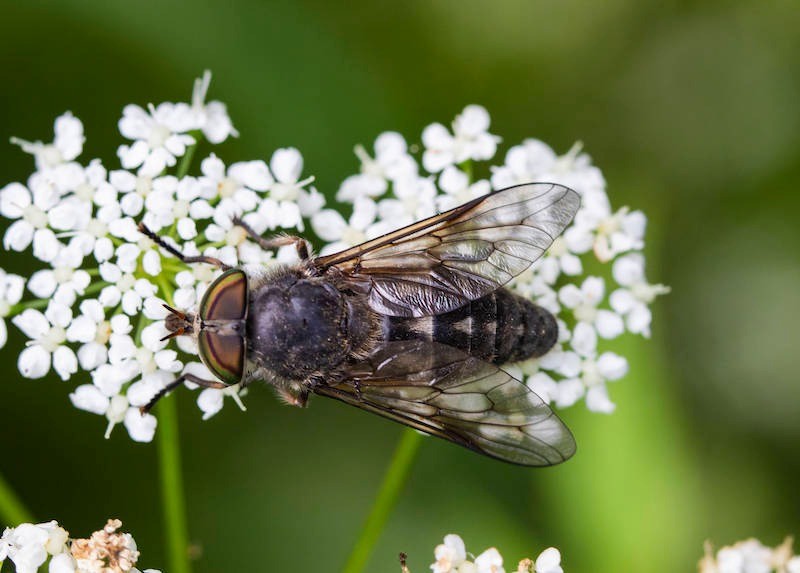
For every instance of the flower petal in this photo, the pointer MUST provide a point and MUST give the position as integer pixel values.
(141, 427)
(34, 362)
(89, 398)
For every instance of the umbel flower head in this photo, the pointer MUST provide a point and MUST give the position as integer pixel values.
(29, 546)
(93, 313)
(452, 557)
(750, 556)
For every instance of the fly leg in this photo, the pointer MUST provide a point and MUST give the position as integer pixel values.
(177, 382)
(292, 394)
(175, 252)
(303, 247)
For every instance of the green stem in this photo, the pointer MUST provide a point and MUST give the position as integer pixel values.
(169, 456)
(466, 167)
(393, 482)
(186, 160)
(20, 306)
(166, 289)
(12, 511)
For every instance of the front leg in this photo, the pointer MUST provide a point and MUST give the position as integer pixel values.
(143, 229)
(202, 382)
(303, 247)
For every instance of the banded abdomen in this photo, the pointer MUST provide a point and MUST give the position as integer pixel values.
(500, 327)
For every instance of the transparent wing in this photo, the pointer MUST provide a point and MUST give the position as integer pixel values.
(441, 391)
(441, 263)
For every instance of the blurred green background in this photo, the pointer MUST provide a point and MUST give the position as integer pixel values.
(691, 111)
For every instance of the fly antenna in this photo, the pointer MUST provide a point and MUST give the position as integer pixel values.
(176, 312)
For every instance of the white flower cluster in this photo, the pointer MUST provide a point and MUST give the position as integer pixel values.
(95, 306)
(452, 557)
(30, 545)
(750, 556)
(98, 299)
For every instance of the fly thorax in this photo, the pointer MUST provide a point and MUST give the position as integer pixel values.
(298, 327)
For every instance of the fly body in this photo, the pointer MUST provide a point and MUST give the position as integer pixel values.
(415, 325)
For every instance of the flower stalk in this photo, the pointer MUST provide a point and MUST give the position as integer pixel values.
(12, 510)
(393, 482)
(171, 478)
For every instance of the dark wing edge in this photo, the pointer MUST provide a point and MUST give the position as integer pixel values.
(443, 392)
(445, 261)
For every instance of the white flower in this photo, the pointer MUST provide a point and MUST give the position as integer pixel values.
(585, 373)
(62, 563)
(65, 282)
(92, 330)
(745, 557)
(534, 161)
(470, 140)
(158, 134)
(559, 259)
(240, 181)
(56, 537)
(25, 545)
(340, 234)
(490, 561)
(125, 288)
(212, 117)
(457, 188)
(66, 146)
(414, 199)
(147, 358)
(549, 561)
(29, 545)
(11, 288)
(584, 302)
(211, 400)
(391, 162)
(141, 427)
(286, 166)
(288, 201)
(120, 407)
(160, 205)
(238, 192)
(632, 302)
(618, 233)
(186, 294)
(71, 213)
(47, 333)
(134, 190)
(90, 398)
(449, 555)
(29, 209)
(92, 186)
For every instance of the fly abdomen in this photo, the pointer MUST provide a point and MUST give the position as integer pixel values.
(500, 327)
(536, 335)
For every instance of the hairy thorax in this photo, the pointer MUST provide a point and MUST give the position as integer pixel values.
(300, 326)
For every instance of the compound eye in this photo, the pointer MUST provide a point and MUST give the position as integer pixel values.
(226, 297)
(223, 355)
